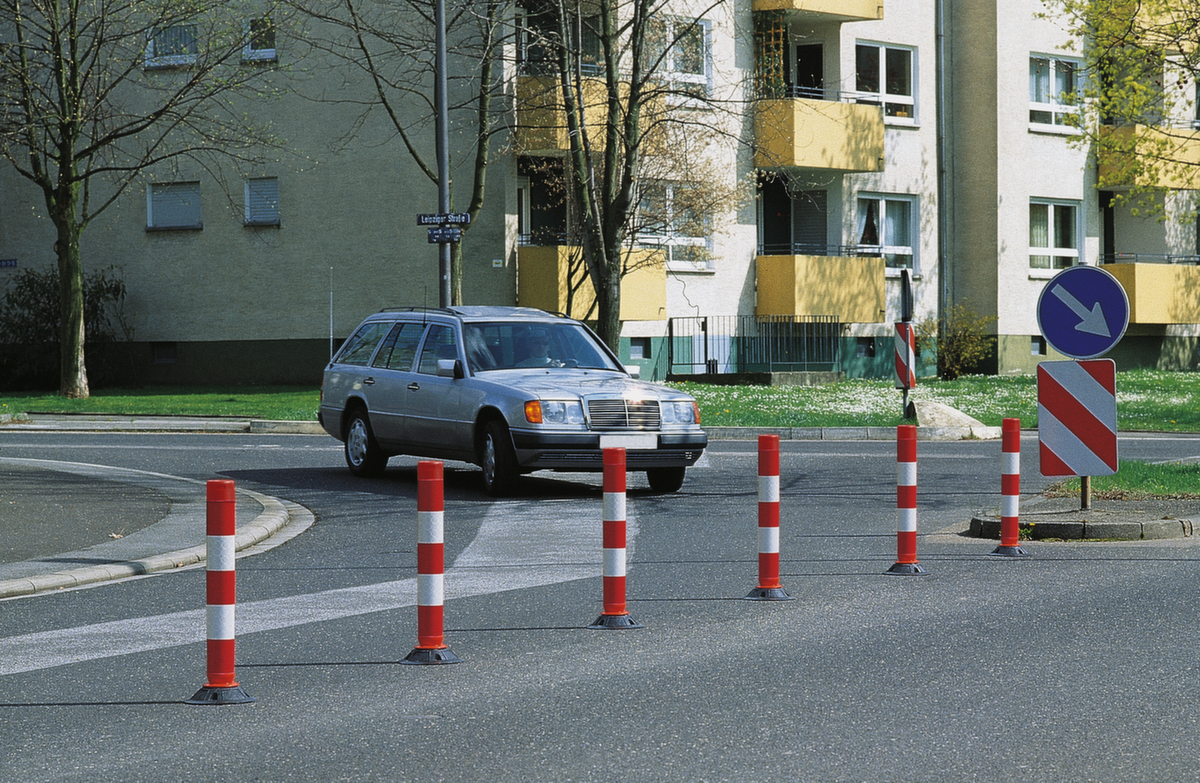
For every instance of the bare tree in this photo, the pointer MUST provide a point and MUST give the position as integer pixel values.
(390, 44)
(634, 81)
(94, 92)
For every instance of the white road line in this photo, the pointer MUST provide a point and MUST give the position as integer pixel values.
(518, 546)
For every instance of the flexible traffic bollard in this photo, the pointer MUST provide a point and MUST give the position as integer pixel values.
(615, 615)
(1010, 490)
(221, 596)
(431, 640)
(906, 503)
(769, 587)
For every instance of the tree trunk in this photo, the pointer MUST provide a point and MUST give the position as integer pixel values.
(73, 379)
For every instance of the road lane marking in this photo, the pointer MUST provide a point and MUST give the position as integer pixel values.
(517, 547)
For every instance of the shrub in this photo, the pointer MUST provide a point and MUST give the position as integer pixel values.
(29, 326)
(962, 340)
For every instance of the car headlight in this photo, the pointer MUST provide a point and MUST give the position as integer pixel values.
(679, 412)
(562, 412)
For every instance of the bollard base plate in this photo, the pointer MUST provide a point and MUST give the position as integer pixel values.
(1009, 551)
(907, 569)
(768, 594)
(615, 622)
(423, 655)
(211, 694)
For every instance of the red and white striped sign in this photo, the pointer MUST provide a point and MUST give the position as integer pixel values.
(1077, 418)
(906, 355)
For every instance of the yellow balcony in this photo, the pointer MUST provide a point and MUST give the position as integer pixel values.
(819, 135)
(548, 275)
(1133, 155)
(542, 122)
(1160, 293)
(833, 10)
(850, 288)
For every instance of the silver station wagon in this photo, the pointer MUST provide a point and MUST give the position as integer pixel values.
(510, 389)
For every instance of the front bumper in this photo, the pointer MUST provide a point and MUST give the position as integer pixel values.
(581, 451)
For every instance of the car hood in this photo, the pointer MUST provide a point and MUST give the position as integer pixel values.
(571, 383)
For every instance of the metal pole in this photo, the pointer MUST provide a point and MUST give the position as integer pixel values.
(1085, 493)
(441, 104)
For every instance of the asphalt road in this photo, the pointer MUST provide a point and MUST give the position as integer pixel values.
(1075, 664)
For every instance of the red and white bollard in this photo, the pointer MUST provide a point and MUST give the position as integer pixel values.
(221, 596)
(431, 640)
(1010, 490)
(615, 615)
(906, 503)
(769, 587)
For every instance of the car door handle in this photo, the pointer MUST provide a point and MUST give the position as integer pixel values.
(414, 386)
(368, 381)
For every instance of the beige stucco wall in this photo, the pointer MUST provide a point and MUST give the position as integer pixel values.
(348, 204)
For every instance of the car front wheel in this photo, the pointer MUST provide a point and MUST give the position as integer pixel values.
(363, 455)
(498, 459)
(666, 479)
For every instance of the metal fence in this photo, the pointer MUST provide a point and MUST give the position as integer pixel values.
(724, 344)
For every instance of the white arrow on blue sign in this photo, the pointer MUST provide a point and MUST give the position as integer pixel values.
(1083, 312)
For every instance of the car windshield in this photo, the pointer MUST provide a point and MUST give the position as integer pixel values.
(506, 344)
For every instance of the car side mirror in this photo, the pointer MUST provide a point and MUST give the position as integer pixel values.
(451, 368)
(634, 371)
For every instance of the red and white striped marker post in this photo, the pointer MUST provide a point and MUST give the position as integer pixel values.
(221, 596)
(1010, 490)
(906, 503)
(431, 640)
(769, 587)
(615, 615)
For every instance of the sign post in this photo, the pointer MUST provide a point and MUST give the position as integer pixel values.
(906, 347)
(1082, 312)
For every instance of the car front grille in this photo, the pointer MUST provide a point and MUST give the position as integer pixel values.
(624, 414)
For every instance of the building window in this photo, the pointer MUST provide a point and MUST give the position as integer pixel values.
(260, 40)
(884, 77)
(668, 219)
(172, 47)
(865, 348)
(173, 205)
(680, 52)
(1037, 346)
(538, 34)
(885, 227)
(262, 201)
(1053, 235)
(639, 348)
(1053, 90)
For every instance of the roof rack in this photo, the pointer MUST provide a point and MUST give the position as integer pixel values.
(417, 309)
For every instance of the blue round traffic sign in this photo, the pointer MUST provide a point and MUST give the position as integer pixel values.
(1083, 312)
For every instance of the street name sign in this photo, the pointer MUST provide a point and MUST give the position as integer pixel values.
(444, 219)
(1083, 312)
(1077, 418)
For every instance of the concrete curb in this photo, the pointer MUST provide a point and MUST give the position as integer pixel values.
(274, 516)
(89, 423)
(1089, 530)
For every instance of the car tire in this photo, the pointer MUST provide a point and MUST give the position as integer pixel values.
(363, 455)
(666, 479)
(498, 459)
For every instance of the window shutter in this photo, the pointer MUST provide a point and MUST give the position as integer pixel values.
(174, 205)
(262, 201)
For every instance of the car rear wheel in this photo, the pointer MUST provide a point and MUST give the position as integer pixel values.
(498, 459)
(666, 479)
(363, 455)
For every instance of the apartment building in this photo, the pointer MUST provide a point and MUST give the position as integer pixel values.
(858, 140)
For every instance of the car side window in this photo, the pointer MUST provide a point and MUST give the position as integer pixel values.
(361, 345)
(400, 348)
(439, 344)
